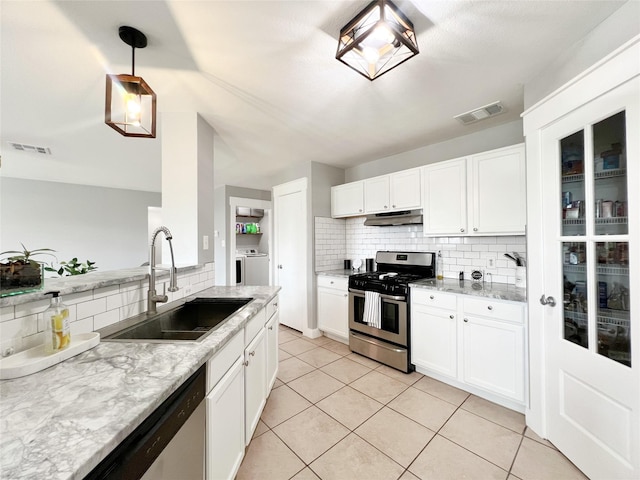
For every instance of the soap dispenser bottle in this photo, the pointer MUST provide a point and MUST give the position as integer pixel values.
(439, 266)
(57, 335)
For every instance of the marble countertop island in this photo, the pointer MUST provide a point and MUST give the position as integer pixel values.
(61, 422)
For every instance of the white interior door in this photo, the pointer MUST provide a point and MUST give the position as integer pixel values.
(290, 244)
(591, 266)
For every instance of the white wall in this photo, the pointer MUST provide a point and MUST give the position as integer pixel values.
(105, 225)
(621, 26)
(489, 139)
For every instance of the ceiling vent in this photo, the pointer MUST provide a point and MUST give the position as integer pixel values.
(22, 147)
(491, 110)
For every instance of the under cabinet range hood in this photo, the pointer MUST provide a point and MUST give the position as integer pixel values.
(387, 219)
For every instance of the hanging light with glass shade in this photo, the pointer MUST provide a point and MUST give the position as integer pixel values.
(130, 106)
(378, 39)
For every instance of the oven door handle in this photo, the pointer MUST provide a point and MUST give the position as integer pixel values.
(383, 296)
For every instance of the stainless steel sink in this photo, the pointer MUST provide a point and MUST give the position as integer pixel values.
(191, 321)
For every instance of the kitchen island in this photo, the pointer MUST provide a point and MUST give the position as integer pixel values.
(61, 422)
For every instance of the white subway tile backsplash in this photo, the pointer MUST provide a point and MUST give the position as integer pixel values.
(105, 319)
(31, 308)
(81, 326)
(106, 291)
(459, 253)
(91, 308)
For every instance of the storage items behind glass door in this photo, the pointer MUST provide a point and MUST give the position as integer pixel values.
(609, 177)
(595, 270)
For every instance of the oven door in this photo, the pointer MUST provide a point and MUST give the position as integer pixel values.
(393, 313)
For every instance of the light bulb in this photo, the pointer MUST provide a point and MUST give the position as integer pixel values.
(371, 55)
(382, 34)
(134, 109)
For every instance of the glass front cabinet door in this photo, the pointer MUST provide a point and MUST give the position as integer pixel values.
(595, 211)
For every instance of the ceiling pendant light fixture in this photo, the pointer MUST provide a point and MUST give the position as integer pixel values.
(378, 39)
(130, 106)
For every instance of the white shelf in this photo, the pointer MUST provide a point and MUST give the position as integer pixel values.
(35, 359)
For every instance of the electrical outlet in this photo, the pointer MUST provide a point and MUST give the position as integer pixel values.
(491, 263)
(187, 290)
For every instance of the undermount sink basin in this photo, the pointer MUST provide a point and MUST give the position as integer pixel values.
(191, 321)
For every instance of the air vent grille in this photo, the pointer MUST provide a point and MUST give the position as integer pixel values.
(23, 147)
(491, 110)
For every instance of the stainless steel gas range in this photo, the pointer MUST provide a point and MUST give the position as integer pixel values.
(379, 313)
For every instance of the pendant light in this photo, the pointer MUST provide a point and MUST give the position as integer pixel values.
(378, 39)
(130, 106)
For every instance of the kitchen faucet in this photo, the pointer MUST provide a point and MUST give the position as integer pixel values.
(152, 297)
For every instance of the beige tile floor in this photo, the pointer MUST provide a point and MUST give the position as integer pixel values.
(336, 415)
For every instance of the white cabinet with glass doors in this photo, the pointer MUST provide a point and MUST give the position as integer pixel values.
(584, 226)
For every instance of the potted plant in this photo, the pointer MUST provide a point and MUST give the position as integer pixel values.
(19, 272)
(73, 267)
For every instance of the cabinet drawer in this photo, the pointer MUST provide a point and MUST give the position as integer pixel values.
(254, 325)
(218, 365)
(341, 283)
(272, 307)
(434, 298)
(497, 309)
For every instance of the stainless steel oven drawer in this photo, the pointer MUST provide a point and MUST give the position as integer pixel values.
(392, 355)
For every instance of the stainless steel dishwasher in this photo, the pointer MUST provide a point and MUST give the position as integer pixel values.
(169, 444)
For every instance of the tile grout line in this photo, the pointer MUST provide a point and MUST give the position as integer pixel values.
(386, 404)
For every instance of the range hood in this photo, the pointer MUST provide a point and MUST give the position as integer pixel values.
(404, 217)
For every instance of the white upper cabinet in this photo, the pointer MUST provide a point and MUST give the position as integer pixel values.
(376, 194)
(397, 191)
(484, 194)
(405, 189)
(498, 191)
(445, 197)
(347, 200)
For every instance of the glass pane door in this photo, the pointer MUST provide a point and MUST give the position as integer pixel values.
(595, 243)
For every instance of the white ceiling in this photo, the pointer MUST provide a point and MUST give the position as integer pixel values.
(263, 74)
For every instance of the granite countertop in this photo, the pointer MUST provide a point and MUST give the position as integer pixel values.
(61, 422)
(88, 281)
(341, 272)
(500, 291)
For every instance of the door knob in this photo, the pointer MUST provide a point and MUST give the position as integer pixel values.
(280, 267)
(548, 301)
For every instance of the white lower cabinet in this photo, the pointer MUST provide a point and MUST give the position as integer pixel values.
(272, 344)
(473, 343)
(255, 379)
(225, 417)
(493, 356)
(333, 306)
(434, 338)
(239, 379)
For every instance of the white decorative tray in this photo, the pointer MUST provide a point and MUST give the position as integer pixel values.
(35, 359)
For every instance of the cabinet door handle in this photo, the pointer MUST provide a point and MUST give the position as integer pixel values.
(548, 301)
(451, 317)
(271, 327)
(475, 229)
(246, 363)
(331, 282)
(431, 297)
(386, 206)
(462, 230)
(466, 320)
(280, 267)
(393, 206)
(489, 307)
(346, 294)
(360, 210)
